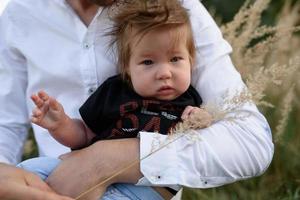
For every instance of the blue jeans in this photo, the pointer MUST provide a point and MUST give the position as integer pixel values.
(43, 166)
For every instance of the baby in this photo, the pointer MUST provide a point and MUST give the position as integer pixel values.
(152, 93)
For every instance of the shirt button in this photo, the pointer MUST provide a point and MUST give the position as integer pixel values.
(86, 45)
(91, 90)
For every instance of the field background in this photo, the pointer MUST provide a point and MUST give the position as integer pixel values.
(282, 180)
(269, 63)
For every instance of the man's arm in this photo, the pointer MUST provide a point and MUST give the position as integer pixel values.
(14, 122)
(98, 162)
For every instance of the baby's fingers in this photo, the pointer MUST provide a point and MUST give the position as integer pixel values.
(53, 104)
(43, 95)
(36, 115)
(187, 111)
(37, 112)
(35, 120)
(37, 101)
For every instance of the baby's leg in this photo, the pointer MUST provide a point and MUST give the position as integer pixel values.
(123, 191)
(126, 191)
(41, 166)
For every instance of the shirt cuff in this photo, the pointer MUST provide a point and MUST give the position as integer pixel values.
(158, 161)
(173, 164)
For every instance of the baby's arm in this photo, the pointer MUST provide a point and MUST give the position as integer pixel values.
(50, 115)
(197, 116)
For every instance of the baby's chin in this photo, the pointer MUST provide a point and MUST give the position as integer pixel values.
(166, 97)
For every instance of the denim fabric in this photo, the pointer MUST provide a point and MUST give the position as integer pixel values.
(43, 166)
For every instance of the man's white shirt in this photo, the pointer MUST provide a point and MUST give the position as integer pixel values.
(45, 46)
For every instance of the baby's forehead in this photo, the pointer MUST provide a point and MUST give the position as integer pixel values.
(177, 33)
(140, 29)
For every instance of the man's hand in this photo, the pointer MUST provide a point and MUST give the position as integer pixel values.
(83, 169)
(17, 184)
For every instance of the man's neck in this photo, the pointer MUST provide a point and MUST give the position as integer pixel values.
(85, 10)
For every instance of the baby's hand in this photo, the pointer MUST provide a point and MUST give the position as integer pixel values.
(48, 112)
(197, 117)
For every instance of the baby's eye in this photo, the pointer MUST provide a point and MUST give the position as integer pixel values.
(175, 59)
(147, 62)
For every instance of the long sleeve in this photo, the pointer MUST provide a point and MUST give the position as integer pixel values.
(13, 113)
(225, 152)
(45, 46)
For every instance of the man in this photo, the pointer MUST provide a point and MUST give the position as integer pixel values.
(59, 46)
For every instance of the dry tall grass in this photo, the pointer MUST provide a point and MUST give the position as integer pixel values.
(268, 57)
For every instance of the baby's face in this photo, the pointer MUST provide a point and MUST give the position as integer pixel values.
(159, 66)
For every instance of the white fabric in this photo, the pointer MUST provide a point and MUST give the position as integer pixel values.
(44, 45)
(3, 5)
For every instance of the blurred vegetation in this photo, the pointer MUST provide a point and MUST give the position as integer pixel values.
(30, 147)
(226, 9)
(276, 48)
